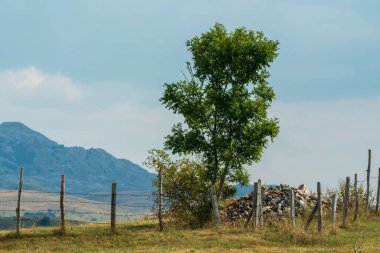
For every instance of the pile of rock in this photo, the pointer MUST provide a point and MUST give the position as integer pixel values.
(275, 202)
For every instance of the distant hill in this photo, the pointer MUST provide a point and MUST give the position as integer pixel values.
(243, 190)
(86, 170)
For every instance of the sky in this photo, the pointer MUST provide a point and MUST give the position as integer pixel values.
(90, 73)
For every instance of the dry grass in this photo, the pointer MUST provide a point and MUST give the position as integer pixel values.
(143, 236)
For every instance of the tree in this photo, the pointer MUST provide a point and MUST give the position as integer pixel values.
(224, 105)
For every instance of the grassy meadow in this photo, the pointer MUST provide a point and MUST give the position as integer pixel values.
(143, 236)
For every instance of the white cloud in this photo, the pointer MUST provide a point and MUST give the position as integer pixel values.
(31, 83)
(115, 116)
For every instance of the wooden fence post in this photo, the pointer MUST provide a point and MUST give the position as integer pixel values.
(368, 185)
(18, 219)
(311, 216)
(113, 208)
(256, 206)
(254, 201)
(333, 212)
(356, 198)
(160, 200)
(319, 201)
(62, 207)
(346, 201)
(292, 210)
(378, 192)
(260, 205)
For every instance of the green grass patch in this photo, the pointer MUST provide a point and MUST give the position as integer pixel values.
(143, 236)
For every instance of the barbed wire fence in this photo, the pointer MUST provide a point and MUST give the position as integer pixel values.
(25, 208)
(256, 214)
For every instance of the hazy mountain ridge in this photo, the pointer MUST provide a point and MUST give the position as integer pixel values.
(86, 170)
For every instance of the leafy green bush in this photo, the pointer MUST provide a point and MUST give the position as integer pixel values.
(186, 188)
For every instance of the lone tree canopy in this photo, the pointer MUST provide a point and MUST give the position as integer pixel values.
(224, 105)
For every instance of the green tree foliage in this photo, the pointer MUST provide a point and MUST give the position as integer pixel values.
(186, 188)
(224, 105)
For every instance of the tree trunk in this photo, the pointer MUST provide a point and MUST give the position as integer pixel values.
(214, 198)
(221, 183)
(215, 207)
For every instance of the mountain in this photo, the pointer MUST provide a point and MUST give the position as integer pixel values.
(86, 170)
(243, 190)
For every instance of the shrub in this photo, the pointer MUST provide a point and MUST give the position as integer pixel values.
(340, 195)
(186, 188)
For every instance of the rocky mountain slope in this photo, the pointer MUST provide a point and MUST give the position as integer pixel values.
(86, 170)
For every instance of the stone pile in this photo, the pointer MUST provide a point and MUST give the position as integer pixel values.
(275, 202)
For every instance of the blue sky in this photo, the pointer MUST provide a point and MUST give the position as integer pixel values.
(90, 73)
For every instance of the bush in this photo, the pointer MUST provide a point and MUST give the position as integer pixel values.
(340, 195)
(186, 188)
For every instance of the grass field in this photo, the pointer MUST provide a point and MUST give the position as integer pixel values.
(143, 236)
(87, 208)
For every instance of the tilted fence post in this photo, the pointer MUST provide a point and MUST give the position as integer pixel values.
(253, 206)
(346, 201)
(113, 208)
(62, 207)
(18, 218)
(368, 185)
(311, 216)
